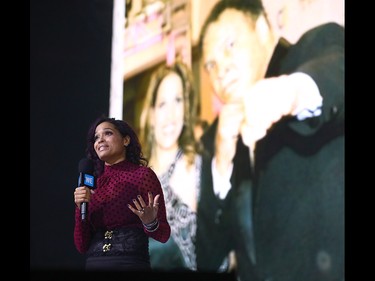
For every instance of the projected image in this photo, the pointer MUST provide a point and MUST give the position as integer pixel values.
(239, 105)
(167, 133)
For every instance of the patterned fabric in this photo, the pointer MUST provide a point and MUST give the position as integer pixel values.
(128, 241)
(116, 188)
(183, 223)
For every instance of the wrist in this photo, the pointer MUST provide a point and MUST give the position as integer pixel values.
(152, 226)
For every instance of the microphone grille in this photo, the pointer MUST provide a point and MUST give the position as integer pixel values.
(86, 166)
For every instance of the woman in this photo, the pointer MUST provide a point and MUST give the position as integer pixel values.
(122, 210)
(167, 135)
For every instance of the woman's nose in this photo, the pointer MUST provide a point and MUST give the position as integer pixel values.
(100, 138)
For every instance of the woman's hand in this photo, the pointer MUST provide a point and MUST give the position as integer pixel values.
(146, 213)
(82, 194)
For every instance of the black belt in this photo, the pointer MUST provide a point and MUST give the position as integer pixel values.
(125, 241)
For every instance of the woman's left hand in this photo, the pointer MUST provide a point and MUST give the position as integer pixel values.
(147, 213)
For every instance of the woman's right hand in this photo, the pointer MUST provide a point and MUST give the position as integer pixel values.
(82, 194)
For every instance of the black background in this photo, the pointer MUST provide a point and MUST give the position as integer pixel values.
(70, 56)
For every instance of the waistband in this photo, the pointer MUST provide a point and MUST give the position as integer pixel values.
(125, 241)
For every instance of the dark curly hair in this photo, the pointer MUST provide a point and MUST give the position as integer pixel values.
(253, 8)
(134, 152)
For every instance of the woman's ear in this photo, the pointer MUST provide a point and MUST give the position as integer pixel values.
(126, 140)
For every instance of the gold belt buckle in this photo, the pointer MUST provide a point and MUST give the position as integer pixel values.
(108, 234)
(106, 247)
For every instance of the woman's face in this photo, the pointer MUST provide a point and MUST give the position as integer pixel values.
(168, 113)
(109, 143)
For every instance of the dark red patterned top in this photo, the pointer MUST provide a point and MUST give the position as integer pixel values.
(108, 208)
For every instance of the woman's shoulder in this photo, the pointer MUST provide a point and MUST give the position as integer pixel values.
(146, 171)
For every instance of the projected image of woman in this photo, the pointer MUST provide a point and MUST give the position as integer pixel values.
(167, 135)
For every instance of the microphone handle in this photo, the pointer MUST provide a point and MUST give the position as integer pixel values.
(83, 204)
(83, 211)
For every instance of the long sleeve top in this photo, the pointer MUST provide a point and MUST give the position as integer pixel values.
(108, 208)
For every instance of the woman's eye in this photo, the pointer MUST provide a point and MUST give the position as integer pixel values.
(209, 66)
(229, 44)
(161, 104)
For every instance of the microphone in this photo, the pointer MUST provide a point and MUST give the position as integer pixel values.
(86, 178)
